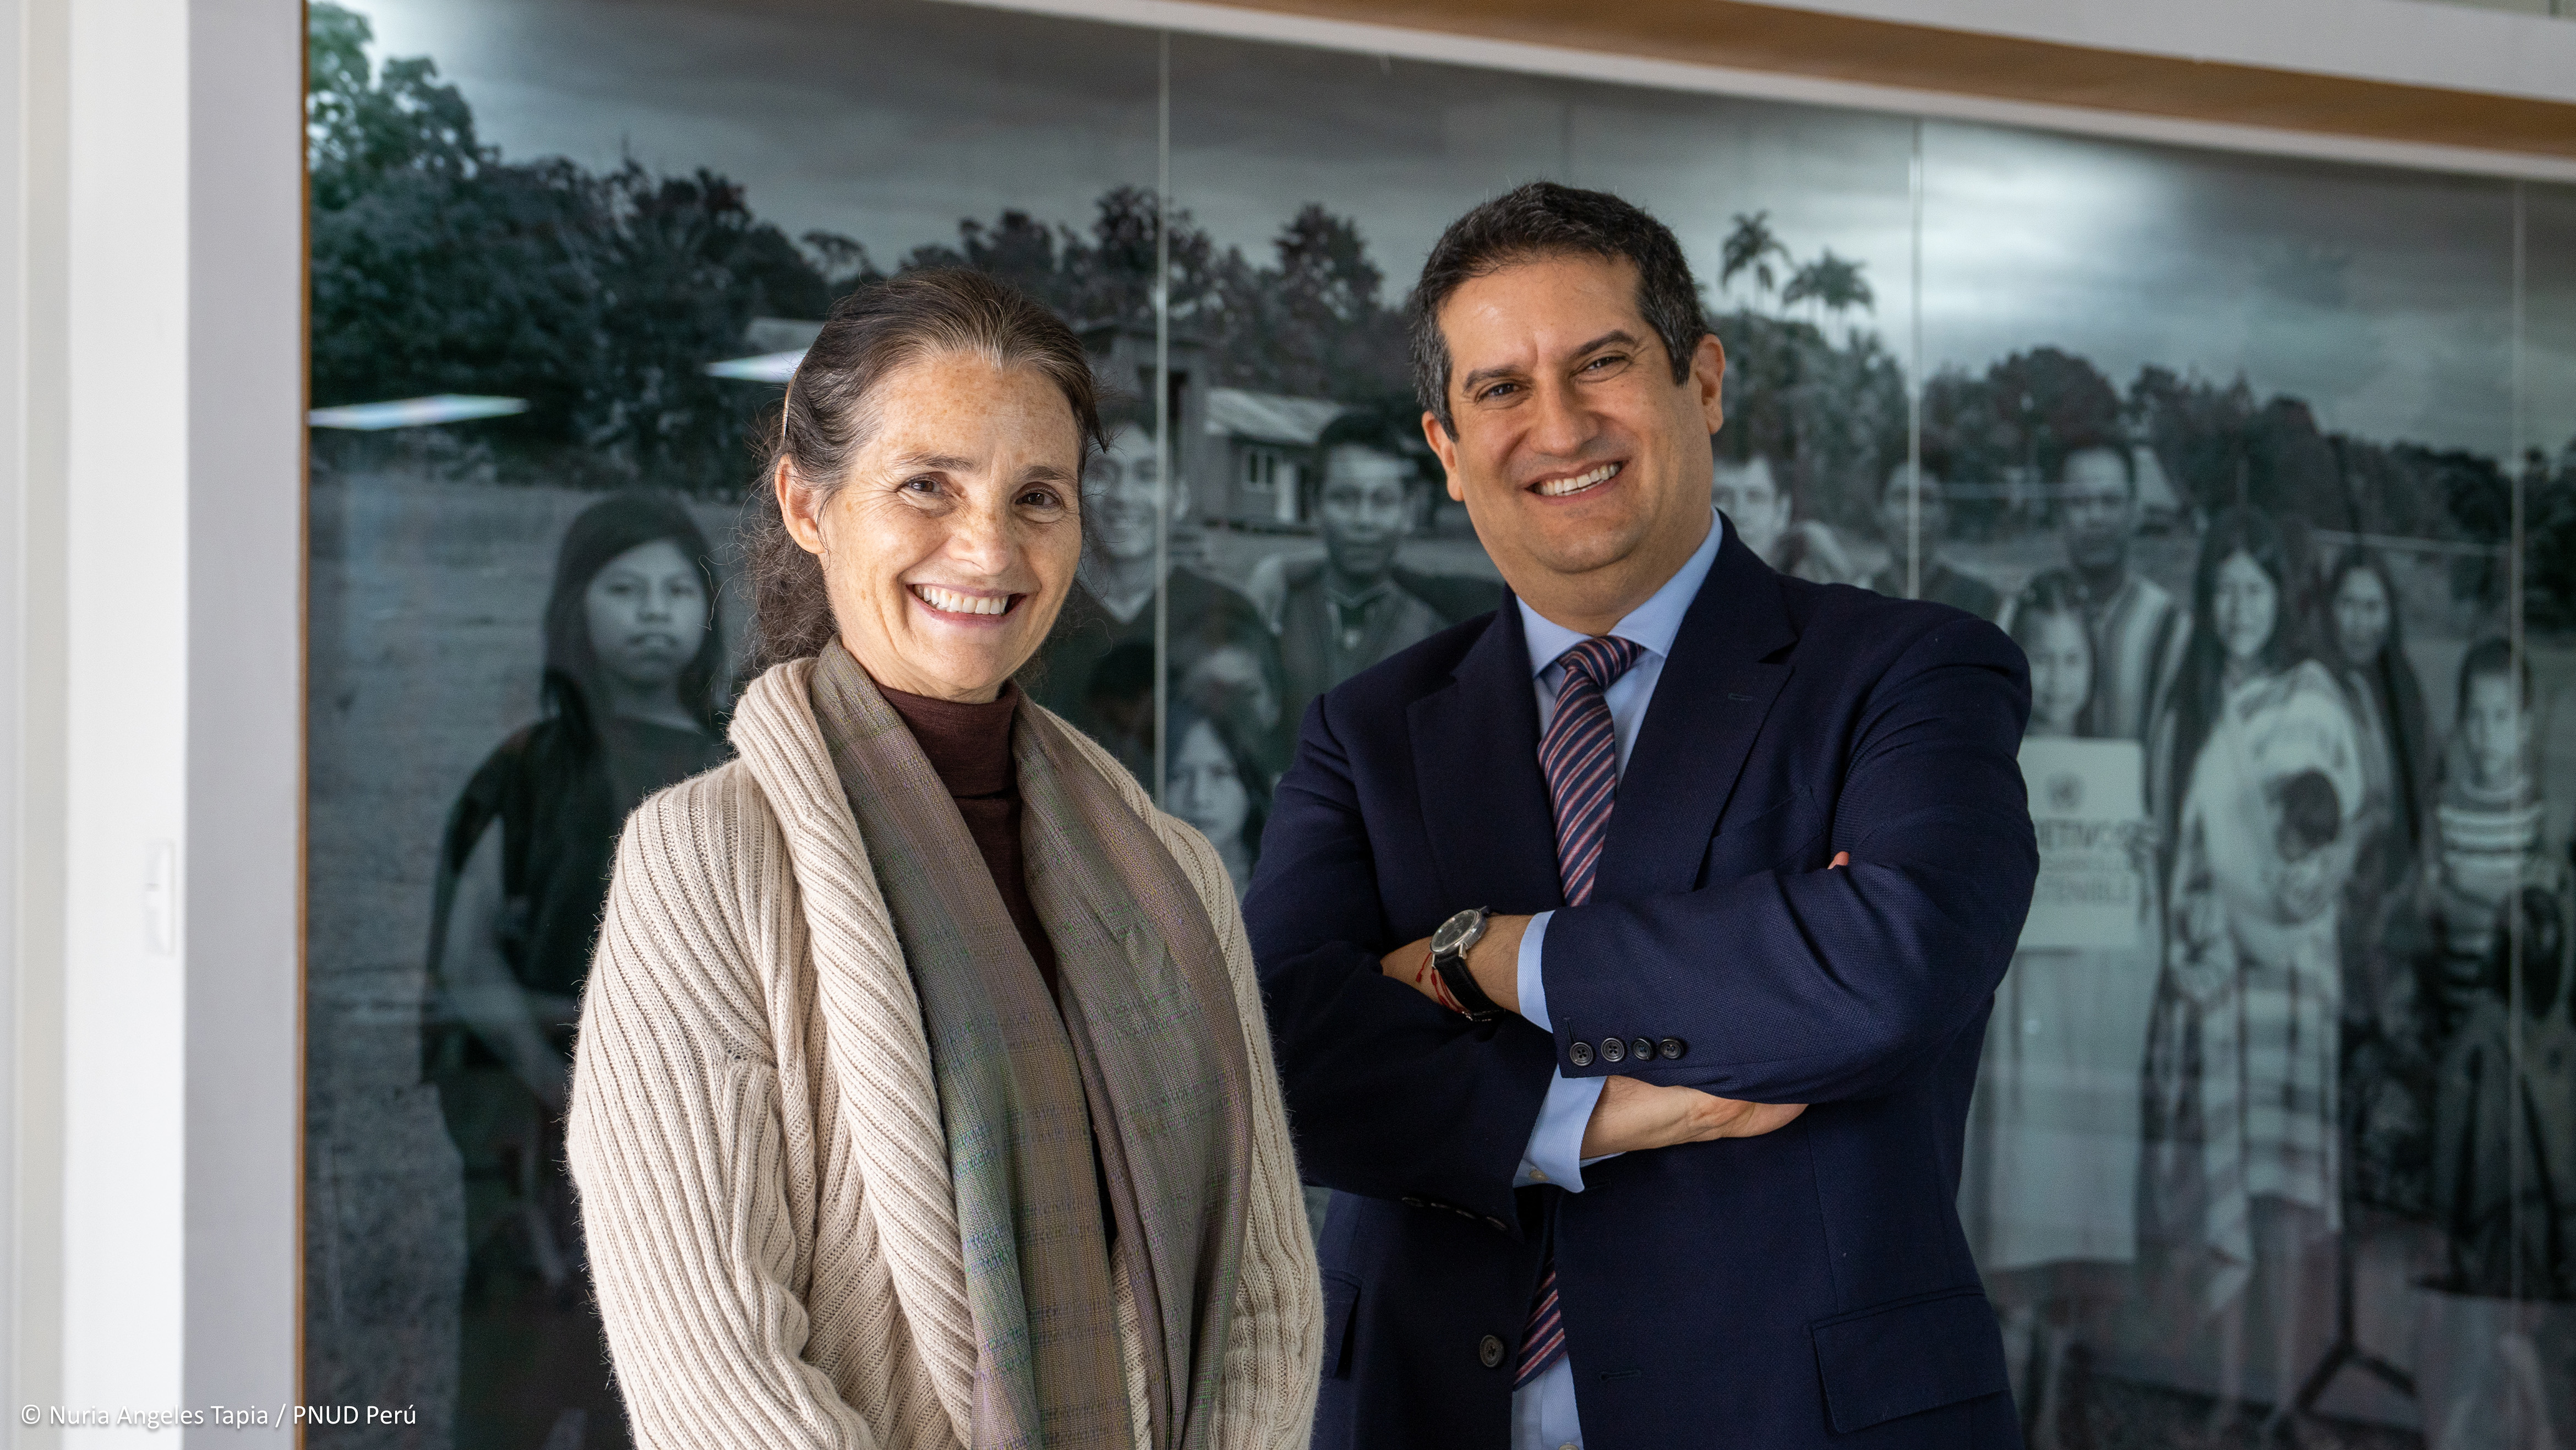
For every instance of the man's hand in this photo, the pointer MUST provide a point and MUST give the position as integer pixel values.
(1633, 1116)
(1494, 961)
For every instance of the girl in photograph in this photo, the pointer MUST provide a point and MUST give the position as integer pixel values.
(632, 657)
(924, 1096)
(1217, 785)
(2258, 782)
(2048, 1187)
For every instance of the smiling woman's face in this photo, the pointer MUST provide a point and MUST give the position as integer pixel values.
(948, 546)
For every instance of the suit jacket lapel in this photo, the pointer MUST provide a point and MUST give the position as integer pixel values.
(1475, 756)
(1709, 705)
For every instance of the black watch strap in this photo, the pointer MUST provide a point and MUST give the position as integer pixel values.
(1452, 967)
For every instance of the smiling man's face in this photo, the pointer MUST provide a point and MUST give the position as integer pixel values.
(1584, 467)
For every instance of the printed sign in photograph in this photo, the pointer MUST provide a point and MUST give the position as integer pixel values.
(2086, 803)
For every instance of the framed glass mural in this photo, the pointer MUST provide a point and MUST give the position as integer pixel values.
(2269, 466)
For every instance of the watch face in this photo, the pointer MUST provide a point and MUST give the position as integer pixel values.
(1458, 931)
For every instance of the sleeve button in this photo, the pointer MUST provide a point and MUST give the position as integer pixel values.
(1643, 1049)
(1612, 1049)
(1489, 1351)
(1580, 1054)
(1672, 1048)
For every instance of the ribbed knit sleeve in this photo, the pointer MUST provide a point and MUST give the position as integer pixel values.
(677, 1144)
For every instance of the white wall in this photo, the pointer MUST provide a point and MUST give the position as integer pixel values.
(156, 506)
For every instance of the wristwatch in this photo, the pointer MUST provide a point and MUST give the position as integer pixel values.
(1449, 946)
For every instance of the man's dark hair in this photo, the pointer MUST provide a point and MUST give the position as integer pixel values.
(1542, 219)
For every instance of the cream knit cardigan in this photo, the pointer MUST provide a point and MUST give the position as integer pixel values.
(756, 1136)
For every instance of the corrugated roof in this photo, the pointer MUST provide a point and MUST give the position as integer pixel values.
(1269, 417)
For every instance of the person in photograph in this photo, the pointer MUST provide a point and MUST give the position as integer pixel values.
(1357, 605)
(1912, 507)
(1120, 699)
(2139, 632)
(1112, 600)
(2365, 642)
(2386, 1049)
(2049, 1181)
(2488, 819)
(2505, 1189)
(2257, 780)
(923, 1095)
(1629, 951)
(1217, 785)
(629, 705)
(1755, 497)
(2508, 1208)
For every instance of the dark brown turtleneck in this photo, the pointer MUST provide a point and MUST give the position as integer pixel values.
(970, 747)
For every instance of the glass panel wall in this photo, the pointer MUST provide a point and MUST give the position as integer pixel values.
(2222, 427)
(625, 222)
(2269, 466)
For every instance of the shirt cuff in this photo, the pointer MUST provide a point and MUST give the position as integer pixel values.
(1533, 982)
(1555, 1151)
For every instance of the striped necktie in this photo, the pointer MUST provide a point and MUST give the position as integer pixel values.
(1580, 754)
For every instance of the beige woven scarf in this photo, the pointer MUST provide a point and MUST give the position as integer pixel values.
(1138, 1058)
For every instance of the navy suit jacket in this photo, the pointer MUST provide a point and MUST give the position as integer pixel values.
(1806, 1288)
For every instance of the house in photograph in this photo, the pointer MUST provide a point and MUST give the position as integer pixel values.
(1258, 450)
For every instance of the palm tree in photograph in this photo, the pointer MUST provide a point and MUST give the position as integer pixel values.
(1753, 247)
(1833, 283)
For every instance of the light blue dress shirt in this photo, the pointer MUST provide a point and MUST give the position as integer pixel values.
(1543, 1414)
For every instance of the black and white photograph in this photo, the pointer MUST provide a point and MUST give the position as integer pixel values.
(2273, 1133)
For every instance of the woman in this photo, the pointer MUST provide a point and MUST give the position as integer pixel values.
(923, 1096)
(2367, 649)
(632, 656)
(1218, 786)
(2385, 1059)
(2259, 785)
(2048, 1185)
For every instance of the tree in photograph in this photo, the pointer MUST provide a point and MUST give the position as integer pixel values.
(1752, 247)
(1833, 283)
(1314, 324)
(439, 267)
(1831, 417)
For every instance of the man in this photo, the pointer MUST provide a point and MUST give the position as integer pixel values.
(1112, 604)
(1357, 605)
(2139, 633)
(1753, 498)
(1600, 1218)
(1911, 510)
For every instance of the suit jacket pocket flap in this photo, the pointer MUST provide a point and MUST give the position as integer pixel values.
(1916, 1354)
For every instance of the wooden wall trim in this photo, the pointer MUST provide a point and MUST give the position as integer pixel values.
(1739, 35)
